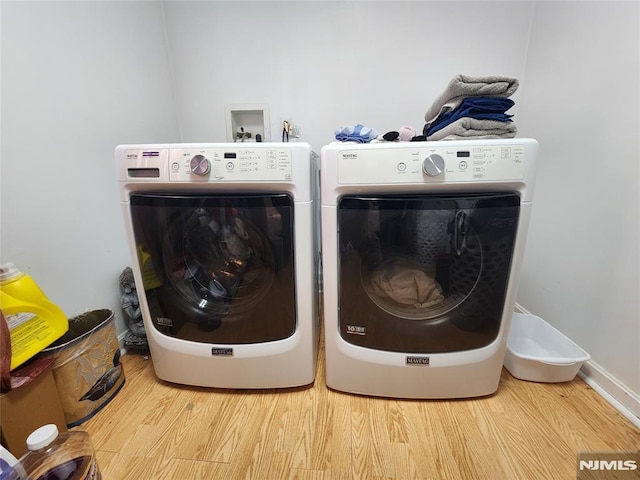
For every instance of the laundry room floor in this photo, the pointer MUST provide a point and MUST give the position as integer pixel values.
(156, 430)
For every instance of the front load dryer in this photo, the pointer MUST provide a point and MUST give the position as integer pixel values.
(422, 244)
(224, 259)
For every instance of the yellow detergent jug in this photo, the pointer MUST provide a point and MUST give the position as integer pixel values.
(150, 278)
(34, 321)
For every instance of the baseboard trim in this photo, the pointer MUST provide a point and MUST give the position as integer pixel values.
(612, 390)
(621, 397)
(123, 350)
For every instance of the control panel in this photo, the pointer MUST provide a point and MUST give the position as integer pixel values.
(211, 164)
(407, 164)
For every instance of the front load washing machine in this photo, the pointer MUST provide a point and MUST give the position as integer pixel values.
(224, 260)
(422, 244)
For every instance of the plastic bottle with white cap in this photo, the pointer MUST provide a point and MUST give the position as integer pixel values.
(60, 456)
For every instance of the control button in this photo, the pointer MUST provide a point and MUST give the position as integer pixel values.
(433, 165)
(175, 166)
(200, 165)
(463, 165)
(230, 166)
(402, 167)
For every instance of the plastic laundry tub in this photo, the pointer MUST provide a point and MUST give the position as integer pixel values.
(537, 352)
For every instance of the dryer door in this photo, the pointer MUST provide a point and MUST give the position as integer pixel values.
(424, 274)
(217, 269)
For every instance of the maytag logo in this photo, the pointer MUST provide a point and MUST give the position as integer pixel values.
(356, 330)
(417, 360)
(222, 352)
(349, 155)
(164, 322)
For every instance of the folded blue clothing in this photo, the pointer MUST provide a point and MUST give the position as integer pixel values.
(356, 133)
(480, 108)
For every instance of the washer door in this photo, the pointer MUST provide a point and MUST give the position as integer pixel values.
(424, 274)
(217, 269)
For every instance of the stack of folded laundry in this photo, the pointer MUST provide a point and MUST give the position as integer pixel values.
(472, 107)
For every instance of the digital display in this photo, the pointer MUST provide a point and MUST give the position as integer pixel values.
(463, 154)
(143, 172)
(230, 155)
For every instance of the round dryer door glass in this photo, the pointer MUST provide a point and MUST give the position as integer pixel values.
(424, 274)
(412, 280)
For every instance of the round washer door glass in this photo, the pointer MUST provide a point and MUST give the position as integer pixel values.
(217, 269)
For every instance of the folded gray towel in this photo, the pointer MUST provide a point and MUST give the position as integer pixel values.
(462, 86)
(467, 127)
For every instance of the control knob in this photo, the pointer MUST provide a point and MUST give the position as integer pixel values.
(200, 165)
(433, 165)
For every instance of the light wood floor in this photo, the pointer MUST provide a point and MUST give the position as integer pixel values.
(156, 430)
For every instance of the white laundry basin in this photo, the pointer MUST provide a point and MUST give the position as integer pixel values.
(538, 352)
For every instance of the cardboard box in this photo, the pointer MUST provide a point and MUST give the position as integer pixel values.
(30, 404)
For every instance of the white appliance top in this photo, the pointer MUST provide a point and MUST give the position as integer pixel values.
(210, 163)
(424, 163)
(472, 165)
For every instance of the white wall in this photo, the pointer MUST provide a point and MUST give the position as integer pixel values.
(324, 65)
(582, 103)
(77, 79)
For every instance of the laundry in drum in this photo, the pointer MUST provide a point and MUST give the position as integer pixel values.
(406, 284)
(217, 254)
